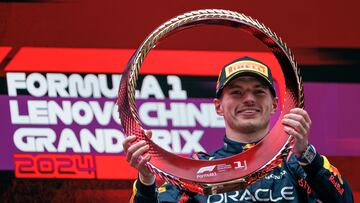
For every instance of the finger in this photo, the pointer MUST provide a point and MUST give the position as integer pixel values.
(300, 141)
(148, 133)
(135, 158)
(294, 133)
(127, 142)
(134, 148)
(295, 125)
(303, 113)
(299, 118)
(143, 161)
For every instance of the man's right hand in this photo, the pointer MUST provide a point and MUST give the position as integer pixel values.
(137, 156)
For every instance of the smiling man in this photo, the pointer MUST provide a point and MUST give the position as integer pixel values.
(246, 98)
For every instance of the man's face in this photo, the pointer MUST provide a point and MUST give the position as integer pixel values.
(246, 105)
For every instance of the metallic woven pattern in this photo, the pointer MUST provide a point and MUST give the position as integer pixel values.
(260, 159)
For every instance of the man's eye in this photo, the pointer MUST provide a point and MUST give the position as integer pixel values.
(236, 92)
(259, 92)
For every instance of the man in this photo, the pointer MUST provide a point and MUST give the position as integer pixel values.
(246, 98)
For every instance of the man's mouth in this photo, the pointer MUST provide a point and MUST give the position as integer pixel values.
(248, 111)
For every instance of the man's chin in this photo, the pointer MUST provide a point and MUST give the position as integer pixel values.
(249, 128)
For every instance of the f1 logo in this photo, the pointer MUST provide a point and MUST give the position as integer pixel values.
(206, 169)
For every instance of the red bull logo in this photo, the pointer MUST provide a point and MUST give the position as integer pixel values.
(248, 146)
(332, 169)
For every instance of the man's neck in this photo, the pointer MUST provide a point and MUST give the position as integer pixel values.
(246, 137)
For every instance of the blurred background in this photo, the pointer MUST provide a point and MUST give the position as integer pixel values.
(61, 63)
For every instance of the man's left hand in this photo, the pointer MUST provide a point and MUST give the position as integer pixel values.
(297, 123)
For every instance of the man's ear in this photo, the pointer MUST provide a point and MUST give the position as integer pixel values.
(218, 107)
(274, 105)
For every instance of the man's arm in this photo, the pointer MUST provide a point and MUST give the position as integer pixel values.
(149, 193)
(327, 181)
(144, 188)
(322, 177)
(144, 193)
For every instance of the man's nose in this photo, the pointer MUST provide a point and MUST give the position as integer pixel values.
(248, 98)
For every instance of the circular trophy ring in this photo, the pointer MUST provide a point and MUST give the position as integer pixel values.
(221, 175)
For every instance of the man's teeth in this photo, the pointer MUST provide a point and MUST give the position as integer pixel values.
(250, 111)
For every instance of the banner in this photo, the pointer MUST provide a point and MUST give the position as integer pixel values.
(59, 114)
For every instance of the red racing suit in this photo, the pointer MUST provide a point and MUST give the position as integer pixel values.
(289, 182)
